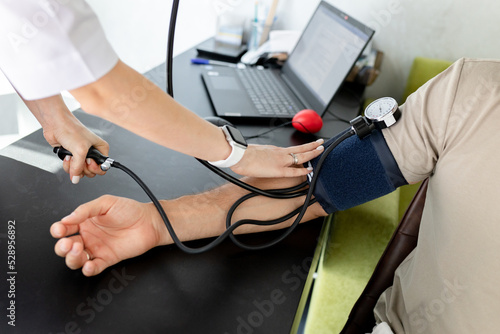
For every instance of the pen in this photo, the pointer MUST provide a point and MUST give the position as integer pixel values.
(201, 61)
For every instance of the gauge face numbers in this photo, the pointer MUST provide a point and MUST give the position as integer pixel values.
(381, 108)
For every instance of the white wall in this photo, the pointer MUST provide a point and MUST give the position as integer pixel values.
(444, 29)
(138, 30)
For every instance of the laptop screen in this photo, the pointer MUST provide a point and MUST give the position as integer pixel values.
(324, 55)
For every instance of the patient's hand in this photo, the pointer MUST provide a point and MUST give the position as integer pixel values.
(109, 229)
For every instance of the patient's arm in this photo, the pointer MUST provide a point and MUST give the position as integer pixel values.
(111, 229)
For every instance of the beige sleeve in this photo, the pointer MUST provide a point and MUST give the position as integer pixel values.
(418, 138)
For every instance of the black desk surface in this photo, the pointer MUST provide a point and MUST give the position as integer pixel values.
(226, 290)
(189, 90)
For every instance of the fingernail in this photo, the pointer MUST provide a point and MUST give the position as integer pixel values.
(89, 161)
(74, 251)
(67, 158)
(320, 148)
(309, 168)
(75, 179)
(320, 141)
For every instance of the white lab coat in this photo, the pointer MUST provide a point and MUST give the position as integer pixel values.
(48, 46)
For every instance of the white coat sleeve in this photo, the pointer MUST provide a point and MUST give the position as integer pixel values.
(48, 46)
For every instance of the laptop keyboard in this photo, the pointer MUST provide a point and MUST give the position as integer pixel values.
(267, 93)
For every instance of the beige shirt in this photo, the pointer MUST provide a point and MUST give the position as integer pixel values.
(450, 131)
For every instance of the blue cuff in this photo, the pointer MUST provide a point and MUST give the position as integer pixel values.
(355, 172)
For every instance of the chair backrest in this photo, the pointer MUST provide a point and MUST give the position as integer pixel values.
(403, 241)
(422, 70)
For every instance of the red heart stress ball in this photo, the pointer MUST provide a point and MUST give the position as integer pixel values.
(307, 121)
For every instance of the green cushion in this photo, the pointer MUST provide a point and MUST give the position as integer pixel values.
(422, 70)
(358, 237)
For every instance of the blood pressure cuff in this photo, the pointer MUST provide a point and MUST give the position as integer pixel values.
(355, 172)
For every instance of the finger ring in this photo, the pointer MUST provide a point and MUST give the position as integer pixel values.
(88, 255)
(295, 159)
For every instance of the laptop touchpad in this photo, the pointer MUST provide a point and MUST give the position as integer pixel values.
(224, 82)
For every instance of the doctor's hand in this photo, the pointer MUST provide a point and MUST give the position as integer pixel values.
(62, 128)
(105, 231)
(273, 161)
(76, 138)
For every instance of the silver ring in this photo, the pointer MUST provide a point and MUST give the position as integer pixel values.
(88, 255)
(295, 159)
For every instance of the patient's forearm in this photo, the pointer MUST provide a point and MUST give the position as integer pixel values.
(204, 215)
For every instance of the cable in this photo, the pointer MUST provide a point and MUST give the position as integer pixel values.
(276, 128)
(168, 225)
(360, 128)
(283, 193)
(246, 186)
(270, 130)
(308, 201)
(287, 193)
(257, 222)
(170, 47)
(231, 227)
(338, 118)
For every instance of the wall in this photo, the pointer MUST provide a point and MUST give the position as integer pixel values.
(444, 29)
(138, 30)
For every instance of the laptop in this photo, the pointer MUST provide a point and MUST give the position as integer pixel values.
(315, 70)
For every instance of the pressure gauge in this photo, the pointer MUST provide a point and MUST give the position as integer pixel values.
(383, 112)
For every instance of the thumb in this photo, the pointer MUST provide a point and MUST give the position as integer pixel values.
(69, 225)
(94, 267)
(97, 207)
(102, 147)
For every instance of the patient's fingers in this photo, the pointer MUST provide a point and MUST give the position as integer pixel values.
(76, 257)
(94, 267)
(97, 207)
(60, 230)
(64, 245)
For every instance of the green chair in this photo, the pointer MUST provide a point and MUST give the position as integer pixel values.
(354, 241)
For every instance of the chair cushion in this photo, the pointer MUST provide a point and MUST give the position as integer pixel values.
(358, 237)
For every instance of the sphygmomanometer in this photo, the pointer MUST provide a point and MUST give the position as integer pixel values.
(359, 167)
(362, 167)
(355, 167)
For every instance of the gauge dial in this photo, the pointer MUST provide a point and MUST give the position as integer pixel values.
(383, 112)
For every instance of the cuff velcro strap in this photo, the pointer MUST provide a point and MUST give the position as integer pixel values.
(355, 172)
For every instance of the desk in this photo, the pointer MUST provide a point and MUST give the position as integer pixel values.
(226, 290)
(190, 91)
